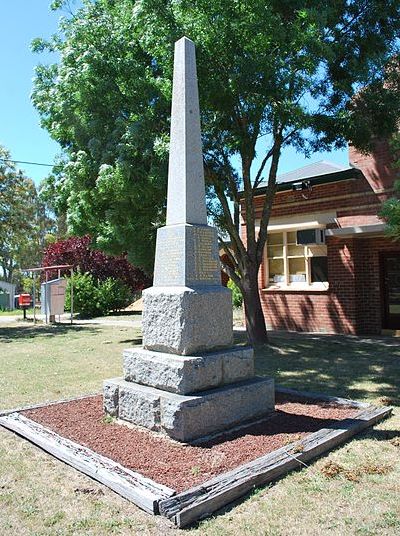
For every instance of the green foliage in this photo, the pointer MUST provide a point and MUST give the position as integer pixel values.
(271, 75)
(27, 284)
(391, 208)
(96, 298)
(237, 297)
(24, 222)
(266, 69)
(110, 116)
(114, 295)
(85, 295)
(391, 213)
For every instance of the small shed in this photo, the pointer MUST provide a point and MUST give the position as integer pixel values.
(53, 296)
(8, 288)
(52, 292)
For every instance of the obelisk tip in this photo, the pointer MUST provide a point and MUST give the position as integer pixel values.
(184, 39)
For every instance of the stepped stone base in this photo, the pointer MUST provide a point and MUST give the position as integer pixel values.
(184, 417)
(185, 321)
(188, 374)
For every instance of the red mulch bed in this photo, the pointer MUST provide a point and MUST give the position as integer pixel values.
(183, 466)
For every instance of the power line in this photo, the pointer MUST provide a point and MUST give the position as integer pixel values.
(23, 162)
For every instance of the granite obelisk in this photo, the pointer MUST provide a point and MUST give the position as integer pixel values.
(188, 380)
(187, 310)
(186, 192)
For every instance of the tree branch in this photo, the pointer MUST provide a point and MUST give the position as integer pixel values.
(231, 272)
(269, 195)
(258, 178)
(237, 244)
(261, 169)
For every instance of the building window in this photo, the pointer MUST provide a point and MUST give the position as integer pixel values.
(292, 266)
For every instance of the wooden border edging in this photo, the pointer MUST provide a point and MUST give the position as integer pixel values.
(200, 501)
(142, 491)
(39, 405)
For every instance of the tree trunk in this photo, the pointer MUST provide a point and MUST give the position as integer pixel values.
(255, 322)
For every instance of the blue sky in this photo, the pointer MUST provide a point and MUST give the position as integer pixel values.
(20, 132)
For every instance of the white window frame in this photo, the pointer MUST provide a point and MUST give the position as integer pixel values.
(294, 285)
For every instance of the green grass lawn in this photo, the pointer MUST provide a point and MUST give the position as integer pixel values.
(41, 496)
(18, 312)
(42, 362)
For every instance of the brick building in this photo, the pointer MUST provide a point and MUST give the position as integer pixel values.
(328, 266)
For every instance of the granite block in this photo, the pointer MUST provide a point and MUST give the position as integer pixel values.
(188, 374)
(111, 397)
(139, 405)
(186, 191)
(186, 321)
(187, 255)
(188, 417)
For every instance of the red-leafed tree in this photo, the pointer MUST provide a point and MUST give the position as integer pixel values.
(77, 252)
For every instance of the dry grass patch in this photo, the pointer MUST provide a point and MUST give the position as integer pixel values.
(41, 496)
(332, 469)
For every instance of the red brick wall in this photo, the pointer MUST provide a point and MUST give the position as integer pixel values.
(354, 201)
(377, 166)
(353, 302)
(329, 311)
(369, 301)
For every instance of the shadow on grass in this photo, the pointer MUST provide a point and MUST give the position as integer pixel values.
(136, 341)
(378, 435)
(350, 367)
(29, 331)
(135, 314)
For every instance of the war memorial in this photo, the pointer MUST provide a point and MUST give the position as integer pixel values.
(188, 380)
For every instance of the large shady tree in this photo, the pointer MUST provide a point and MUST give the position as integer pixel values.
(272, 74)
(24, 220)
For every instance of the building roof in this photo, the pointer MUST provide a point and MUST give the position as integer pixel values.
(316, 169)
(317, 173)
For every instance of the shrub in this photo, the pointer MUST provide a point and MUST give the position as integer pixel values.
(27, 284)
(77, 252)
(93, 298)
(237, 298)
(86, 295)
(114, 295)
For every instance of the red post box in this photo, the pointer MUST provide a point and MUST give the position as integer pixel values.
(24, 300)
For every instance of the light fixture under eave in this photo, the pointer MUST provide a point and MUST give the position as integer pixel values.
(303, 186)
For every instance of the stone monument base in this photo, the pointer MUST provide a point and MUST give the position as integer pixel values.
(184, 321)
(188, 417)
(187, 374)
(188, 397)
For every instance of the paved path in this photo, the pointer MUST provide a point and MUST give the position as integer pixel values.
(65, 319)
(109, 322)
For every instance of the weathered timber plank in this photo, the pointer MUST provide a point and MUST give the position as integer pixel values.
(200, 501)
(142, 491)
(320, 396)
(46, 404)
